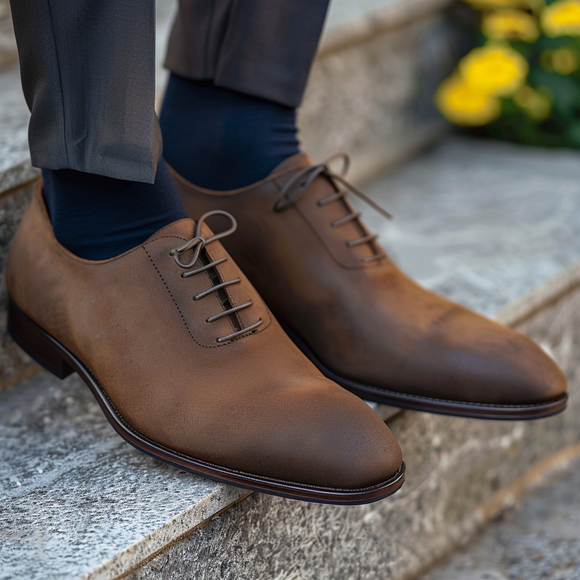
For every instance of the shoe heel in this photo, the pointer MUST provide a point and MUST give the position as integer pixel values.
(36, 342)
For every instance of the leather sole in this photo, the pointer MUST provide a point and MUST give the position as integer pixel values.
(433, 405)
(55, 358)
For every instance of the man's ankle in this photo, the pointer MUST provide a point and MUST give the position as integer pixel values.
(97, 217)
(222, 139)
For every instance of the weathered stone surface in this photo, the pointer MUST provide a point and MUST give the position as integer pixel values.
(344, 14)
(481, 221)
(15, 168)
(8, 52)
(14, 363)
(542, 542)
(75, 499)
(374, 99)
(454, 465)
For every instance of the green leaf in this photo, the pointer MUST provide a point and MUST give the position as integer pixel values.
(573, 134)
(565, 90)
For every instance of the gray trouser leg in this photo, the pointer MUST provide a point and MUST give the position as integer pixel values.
(258, 47)
(88, 74)
(88, 70)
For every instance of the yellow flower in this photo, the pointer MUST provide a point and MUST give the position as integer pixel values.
(464, 106)
(535, 103)
(565, 61)
(562, 60)
(494, 69)
(510, 25)
(562, 18)
(490, 4)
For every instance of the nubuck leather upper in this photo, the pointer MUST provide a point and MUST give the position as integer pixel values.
(191, 367)
(359, 318)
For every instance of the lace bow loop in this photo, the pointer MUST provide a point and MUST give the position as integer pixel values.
(198, 242)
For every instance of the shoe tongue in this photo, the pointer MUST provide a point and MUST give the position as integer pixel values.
(298, 160)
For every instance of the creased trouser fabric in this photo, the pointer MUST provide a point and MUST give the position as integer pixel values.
(259, 47)
(88, 70)
(88, 74)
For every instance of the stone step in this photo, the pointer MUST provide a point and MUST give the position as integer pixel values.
(474, 221)
(537, 540)
(7, 42)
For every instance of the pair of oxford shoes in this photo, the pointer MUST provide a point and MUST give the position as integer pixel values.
(191, 366)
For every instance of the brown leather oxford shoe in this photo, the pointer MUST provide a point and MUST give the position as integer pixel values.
(190, 366)
(362, 321)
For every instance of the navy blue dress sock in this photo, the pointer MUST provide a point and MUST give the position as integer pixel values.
(221, 139)
(97, 217)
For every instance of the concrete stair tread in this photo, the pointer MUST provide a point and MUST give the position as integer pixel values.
(15, 168)
(74, 495)
(540, 541)
(472, 221)
(480, 221)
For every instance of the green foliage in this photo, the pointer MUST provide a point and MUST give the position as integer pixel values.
(561, 84)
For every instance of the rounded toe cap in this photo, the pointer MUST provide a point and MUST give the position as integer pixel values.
(484, 362)
(330, 438)
(532, 376)
(359, 449)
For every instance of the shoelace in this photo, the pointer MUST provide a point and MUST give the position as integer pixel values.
(197, 244)
(302, 179)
